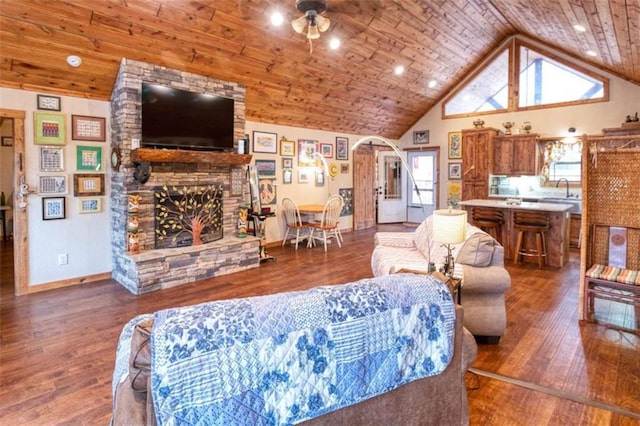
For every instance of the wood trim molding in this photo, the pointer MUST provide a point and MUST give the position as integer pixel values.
(69, 282)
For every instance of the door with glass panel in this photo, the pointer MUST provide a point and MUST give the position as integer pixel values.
(391, 178)
(422, 189)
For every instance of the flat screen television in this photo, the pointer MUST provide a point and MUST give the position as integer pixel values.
(179, 119)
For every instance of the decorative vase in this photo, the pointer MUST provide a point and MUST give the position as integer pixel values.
(508, 125)
(526, 126)
(478, 124)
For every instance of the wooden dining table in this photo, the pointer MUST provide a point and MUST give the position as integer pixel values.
(310, 208)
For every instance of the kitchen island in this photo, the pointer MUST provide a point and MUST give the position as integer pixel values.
(557, 237)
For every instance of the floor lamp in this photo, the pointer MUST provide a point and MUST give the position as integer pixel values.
(449, 227)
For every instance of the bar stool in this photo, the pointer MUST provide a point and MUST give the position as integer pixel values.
(531, 221)
(489, 220)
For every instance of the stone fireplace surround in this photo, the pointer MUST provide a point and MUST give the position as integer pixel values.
(153, 269)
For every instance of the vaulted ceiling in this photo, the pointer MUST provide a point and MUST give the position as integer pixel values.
(352, 89)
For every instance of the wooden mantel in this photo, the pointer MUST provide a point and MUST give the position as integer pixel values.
(183, 156)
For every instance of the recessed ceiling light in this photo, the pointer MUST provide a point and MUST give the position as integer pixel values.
(579, 28)
(334, 43)
(432, 84)
(74, 61)
(398, 70)
(277, 19)
(591, 53)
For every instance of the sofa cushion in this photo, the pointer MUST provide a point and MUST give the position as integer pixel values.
(477, 250)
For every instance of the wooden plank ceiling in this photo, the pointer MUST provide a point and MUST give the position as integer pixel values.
(352, 89)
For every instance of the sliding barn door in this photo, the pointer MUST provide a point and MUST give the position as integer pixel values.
(364, 193)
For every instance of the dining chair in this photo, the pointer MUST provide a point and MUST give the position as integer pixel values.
(293, 221)
(328, 223)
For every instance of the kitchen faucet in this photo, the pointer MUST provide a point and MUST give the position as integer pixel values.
(566, 181)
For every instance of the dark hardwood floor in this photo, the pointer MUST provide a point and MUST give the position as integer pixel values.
(58, 347)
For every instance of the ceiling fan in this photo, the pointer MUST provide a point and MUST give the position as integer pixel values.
(311, 19)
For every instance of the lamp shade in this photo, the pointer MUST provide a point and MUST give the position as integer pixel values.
(449, 226)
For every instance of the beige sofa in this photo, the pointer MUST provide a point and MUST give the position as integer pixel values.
(435, 400)
(479, 262)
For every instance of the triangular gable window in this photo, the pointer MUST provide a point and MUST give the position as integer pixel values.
(542, 81)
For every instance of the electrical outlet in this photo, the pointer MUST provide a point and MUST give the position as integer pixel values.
(63, 259)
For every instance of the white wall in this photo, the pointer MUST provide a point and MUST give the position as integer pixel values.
(85, 238)
(590, 119)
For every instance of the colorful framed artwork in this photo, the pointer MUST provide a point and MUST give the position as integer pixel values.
(287, 176)
(85, 128)
(266, 167)
(89, 205)
(421, 137)
(88, 184)
(326, 149)
(455, 145)
(287, 148)
(454, 189)
(89, 158)
(306, 151)
(53, 208)
(7, 141)
(49, 128)
(455, 170)
(344, 168)
(287, 163)
(51, 159)
(342, 148)
(265, 142)
(52, 184)
(303, 176)
(50, 103)
(347, 197)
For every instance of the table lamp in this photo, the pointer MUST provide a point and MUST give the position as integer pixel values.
(449, 227)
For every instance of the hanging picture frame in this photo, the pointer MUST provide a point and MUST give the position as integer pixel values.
(52, 184)
(287, 148)
(306, 151)
(53, 208)
(265, 142)
(85, 128)
(89, 158)
(342, 148)
(287, 176)
(421, 137)
(86, 184)
(49, 128)
(326, 149)
(51, 159)
(89, 205)
(455, 145)
(49, 103)
(455, 170)
(266, 167)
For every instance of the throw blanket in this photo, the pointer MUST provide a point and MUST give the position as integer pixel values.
(285, 358)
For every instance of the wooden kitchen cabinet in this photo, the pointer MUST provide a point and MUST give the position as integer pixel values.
(575, 230)
(477, 149)
(515, 155)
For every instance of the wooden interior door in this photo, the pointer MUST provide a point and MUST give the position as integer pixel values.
(364, 193)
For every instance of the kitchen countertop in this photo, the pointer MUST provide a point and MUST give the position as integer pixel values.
(540, 206)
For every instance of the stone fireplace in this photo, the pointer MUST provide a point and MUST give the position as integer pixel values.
(154, 267)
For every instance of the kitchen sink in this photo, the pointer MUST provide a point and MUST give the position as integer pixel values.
(576, 204)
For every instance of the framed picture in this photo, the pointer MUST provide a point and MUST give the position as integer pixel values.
(51, 159)
(50, 103)
(49, 128)
(287, 163)
(52, 208)
(287, 176)
(86, 184)
(267, 192)
(421, 137)
(238, 175)
(89, 158)
(85, 128)
(347, 196)
(7, 141)
(342, 148)
(89, 205)
(52, 184)
(303, 176)
(319, 178)
(344, 168)
(287, 148)
(454, 189)
(455, 170)
(266, 167)
(306, 151)
(326, 149)
(455, 145)
(265, 142)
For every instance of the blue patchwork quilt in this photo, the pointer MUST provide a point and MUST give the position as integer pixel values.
(285, 358)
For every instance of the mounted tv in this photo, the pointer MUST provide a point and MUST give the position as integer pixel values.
(179, 119)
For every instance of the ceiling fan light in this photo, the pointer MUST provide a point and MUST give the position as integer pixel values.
(299, 24)
(323, 23)
(313, 33)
